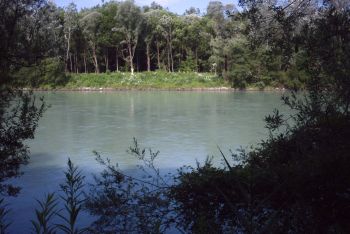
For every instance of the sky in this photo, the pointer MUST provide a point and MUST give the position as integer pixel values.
(177, 6)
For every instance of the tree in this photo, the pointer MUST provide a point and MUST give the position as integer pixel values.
(148, 28)
(153, 18)
(108, 37)
(128, 24)
(91, 25)
(70, 24)
(166, 26)
(151, 22)
(222, 34)
(193, 11)
(19, 111)
(195, 39)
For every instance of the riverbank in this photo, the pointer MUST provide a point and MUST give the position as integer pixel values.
(213, 89)
(159, 80)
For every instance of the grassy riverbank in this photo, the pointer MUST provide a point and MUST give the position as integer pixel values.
(143, 81)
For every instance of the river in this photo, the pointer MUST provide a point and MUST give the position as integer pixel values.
(184, 126)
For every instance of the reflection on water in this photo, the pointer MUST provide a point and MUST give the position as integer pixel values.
(184, 126)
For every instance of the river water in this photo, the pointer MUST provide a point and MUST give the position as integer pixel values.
(184, 126)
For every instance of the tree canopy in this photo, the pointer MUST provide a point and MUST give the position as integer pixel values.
(122, 36)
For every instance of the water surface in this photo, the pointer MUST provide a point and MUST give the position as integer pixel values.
(184, 126)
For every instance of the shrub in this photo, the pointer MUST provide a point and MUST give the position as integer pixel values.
(53, 72)
(188, 65)
(239, 77)
(49, 72)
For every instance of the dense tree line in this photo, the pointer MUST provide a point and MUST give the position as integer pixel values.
(122, 36)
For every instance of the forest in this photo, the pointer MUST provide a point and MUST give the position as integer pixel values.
(124, 37)
(296, 180)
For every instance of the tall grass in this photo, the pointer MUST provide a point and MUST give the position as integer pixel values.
(44, 215)
(4, 224)
(72, 196)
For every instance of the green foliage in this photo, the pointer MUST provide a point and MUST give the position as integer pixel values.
(129, 204)
(49, 73)
(145, 80)
(53, 72)
(19, 111)
(24, 36)
(44, 215)
(196, 196)
(121, 36)
(73, 200)
(240, 76)
(296, 181)
(19, 116)
(188, 65)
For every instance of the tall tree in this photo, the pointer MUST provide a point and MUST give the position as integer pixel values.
(70, 24)
(91, 25)
(108, 38)
(166, 26)
(150, 34)
(128, 23)
(216, 12)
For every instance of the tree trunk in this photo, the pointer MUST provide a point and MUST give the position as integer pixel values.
(106, 60)
(226, 67)
(148, 57)
(169, 67)
(68, 50)
(117, 60)
(170, 55)
(76, 63)
(171, 58)
(71, 63)
(158, 54)
(131, 58)
(131, 66)
(85, 62)
(197, 67)
(94, 55)
(171, 52)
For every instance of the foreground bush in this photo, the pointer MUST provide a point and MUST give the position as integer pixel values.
(297, 181)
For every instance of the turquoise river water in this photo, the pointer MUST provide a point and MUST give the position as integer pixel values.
(184, 126)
